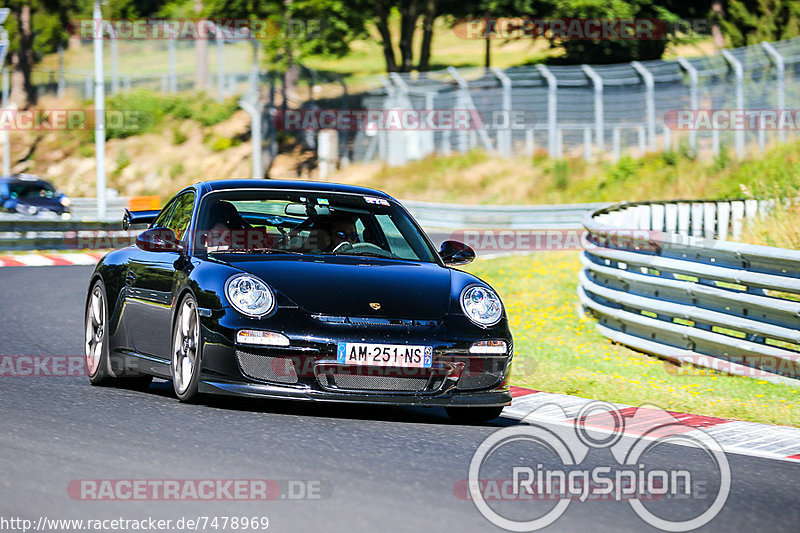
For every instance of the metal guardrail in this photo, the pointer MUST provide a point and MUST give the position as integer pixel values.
(86, 208)
(661, 278)
(80, 232)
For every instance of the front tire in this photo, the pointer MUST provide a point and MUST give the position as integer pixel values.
(186, 350)
(473, 415)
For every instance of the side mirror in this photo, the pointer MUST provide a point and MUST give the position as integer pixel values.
(157, 240)
(456, 253)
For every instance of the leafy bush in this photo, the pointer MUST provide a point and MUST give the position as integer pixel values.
(219, 144)
(143, 110)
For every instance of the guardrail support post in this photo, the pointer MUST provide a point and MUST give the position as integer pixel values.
(552, 107)
(694, 97)
(597, 81)
(738, 70)
(650, 101)
(780, 87)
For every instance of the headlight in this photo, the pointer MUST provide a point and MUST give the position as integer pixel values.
(249, 295)
(65, 201)
(481, 305)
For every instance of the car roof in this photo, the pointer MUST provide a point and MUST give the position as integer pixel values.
(204, 187)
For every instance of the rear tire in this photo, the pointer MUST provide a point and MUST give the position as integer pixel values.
(96, 346)
(96, 336)
(473, 415)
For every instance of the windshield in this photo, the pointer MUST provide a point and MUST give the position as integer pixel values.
(307, 223)
(31, 190)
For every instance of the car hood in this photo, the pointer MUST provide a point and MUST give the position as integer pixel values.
(349, 286)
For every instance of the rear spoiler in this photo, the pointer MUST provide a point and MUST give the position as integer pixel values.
(131, 218)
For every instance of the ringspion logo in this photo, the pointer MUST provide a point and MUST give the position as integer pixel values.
(524, 477)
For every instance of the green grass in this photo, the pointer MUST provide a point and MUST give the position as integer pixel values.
(476, 177)
(557, 351)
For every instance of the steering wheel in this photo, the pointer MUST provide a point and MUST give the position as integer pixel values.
(363, 246)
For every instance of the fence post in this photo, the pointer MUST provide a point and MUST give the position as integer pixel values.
(464, 86)
(780, 88)
(617, 143)
(694, 97)
(650, 104)
(552, 107)
(6, 138)
(504, 147)
(667, 139)
(220, 64)
(587, 144)
(173, 79)
(253, 81)
(255, 110)
(738, 70)
(715, 142)
(114, 61)
(61, 83)
(597, 81)
(642, 140)
(529, 142)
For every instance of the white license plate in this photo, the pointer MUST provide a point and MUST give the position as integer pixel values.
(400, 355)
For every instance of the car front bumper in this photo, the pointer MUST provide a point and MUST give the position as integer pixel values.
(308, 370)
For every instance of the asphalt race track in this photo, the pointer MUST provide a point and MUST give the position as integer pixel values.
(384, 469)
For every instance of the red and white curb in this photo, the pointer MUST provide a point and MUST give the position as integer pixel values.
(51, 259)
(734, 436)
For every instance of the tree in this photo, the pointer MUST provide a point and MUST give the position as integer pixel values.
(35, 27)
(747, 22)
(409, 12)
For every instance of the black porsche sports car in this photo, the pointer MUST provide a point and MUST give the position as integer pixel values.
(297, 290)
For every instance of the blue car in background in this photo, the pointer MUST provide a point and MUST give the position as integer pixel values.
(30, 195)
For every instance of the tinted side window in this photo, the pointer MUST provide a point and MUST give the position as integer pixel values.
(162, 217)
(180, 215)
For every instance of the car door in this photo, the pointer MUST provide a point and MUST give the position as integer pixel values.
(151, 276)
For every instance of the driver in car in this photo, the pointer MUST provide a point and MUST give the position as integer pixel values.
(343, 229)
